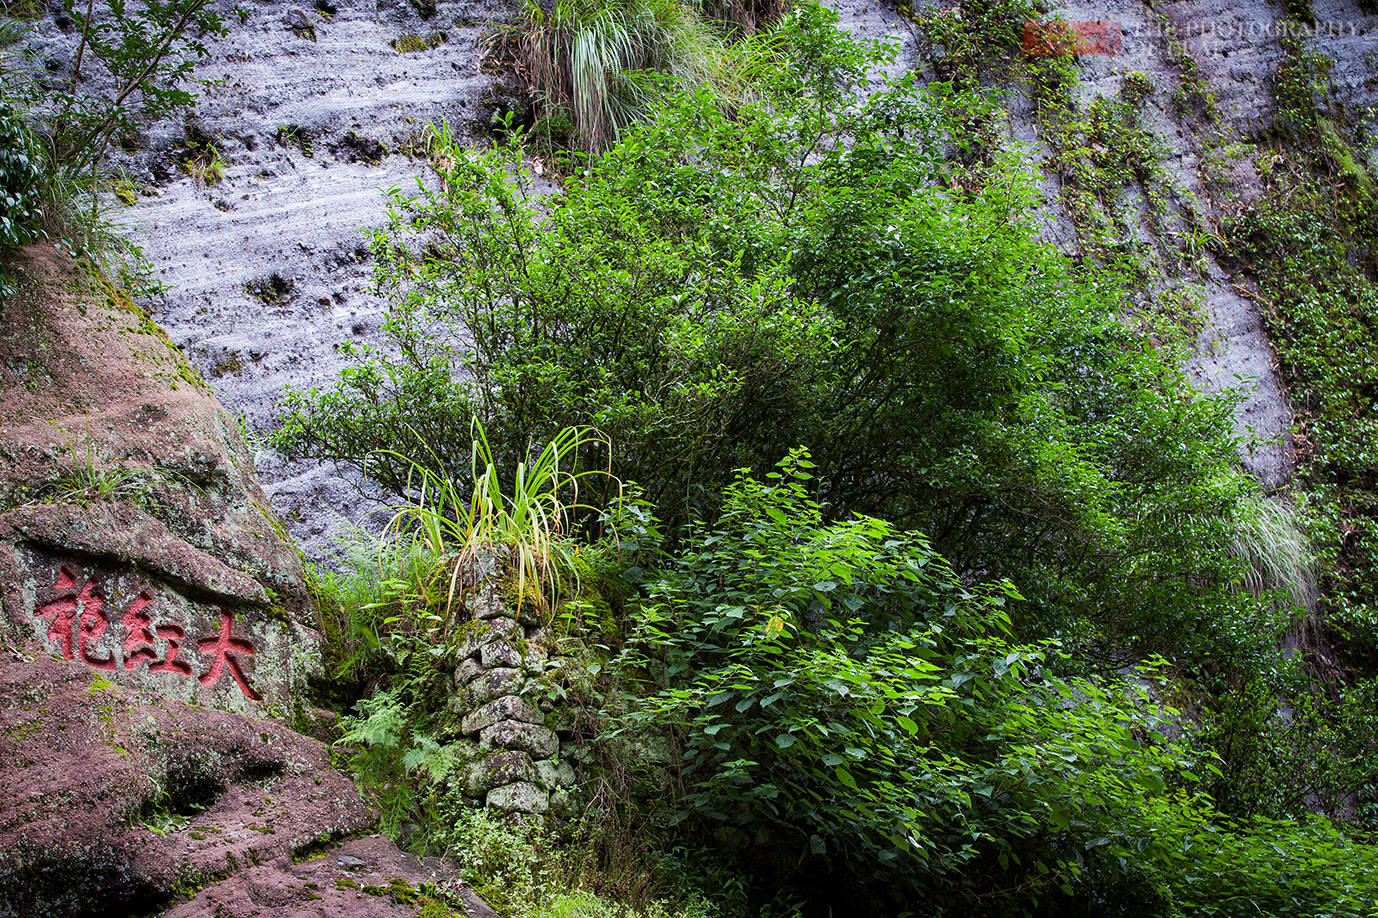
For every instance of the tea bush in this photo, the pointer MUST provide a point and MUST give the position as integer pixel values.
(858, 723)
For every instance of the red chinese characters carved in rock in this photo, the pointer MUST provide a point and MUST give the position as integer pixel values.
(223, 648)
(77, 618)
(79, 622)
(138, 641)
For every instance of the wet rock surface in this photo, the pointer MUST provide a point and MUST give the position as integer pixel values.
(134, 537)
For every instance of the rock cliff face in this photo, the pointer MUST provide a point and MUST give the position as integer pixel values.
(134, 538)
(314, 111)
(119, 805)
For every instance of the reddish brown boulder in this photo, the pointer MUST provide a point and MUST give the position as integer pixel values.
(112, 803)
(134, 537)
(365, 878)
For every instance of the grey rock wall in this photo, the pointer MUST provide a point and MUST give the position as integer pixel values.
(314, 116)
(310, 110)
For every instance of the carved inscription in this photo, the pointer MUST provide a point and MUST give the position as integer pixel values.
(78, 621)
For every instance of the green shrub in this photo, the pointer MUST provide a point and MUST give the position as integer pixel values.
(856, 721)
(21, 182)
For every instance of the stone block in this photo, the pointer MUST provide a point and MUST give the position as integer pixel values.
(555, 773)
(503, 653)
(508, 707)
(538, 742)
(487, 604)
(521, 797)
(497, 769)
(492, 684)
(480, 634)
(467, 671)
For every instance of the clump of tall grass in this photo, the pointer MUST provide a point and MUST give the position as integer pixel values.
(520, 525)
(1277, 555)
(599, 61)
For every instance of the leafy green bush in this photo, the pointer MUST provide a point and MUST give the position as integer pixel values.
(720, 287)
(21, 182)
(856, 721)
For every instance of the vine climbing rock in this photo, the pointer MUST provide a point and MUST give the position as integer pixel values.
(135, 540)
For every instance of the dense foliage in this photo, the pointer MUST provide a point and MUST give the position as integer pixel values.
(846, 706)
(21, 182)
(857, 730)
(722, 286)
(844, 275)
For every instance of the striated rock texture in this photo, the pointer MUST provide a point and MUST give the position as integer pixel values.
(117, 805)
(314, 113)
(134, 537)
